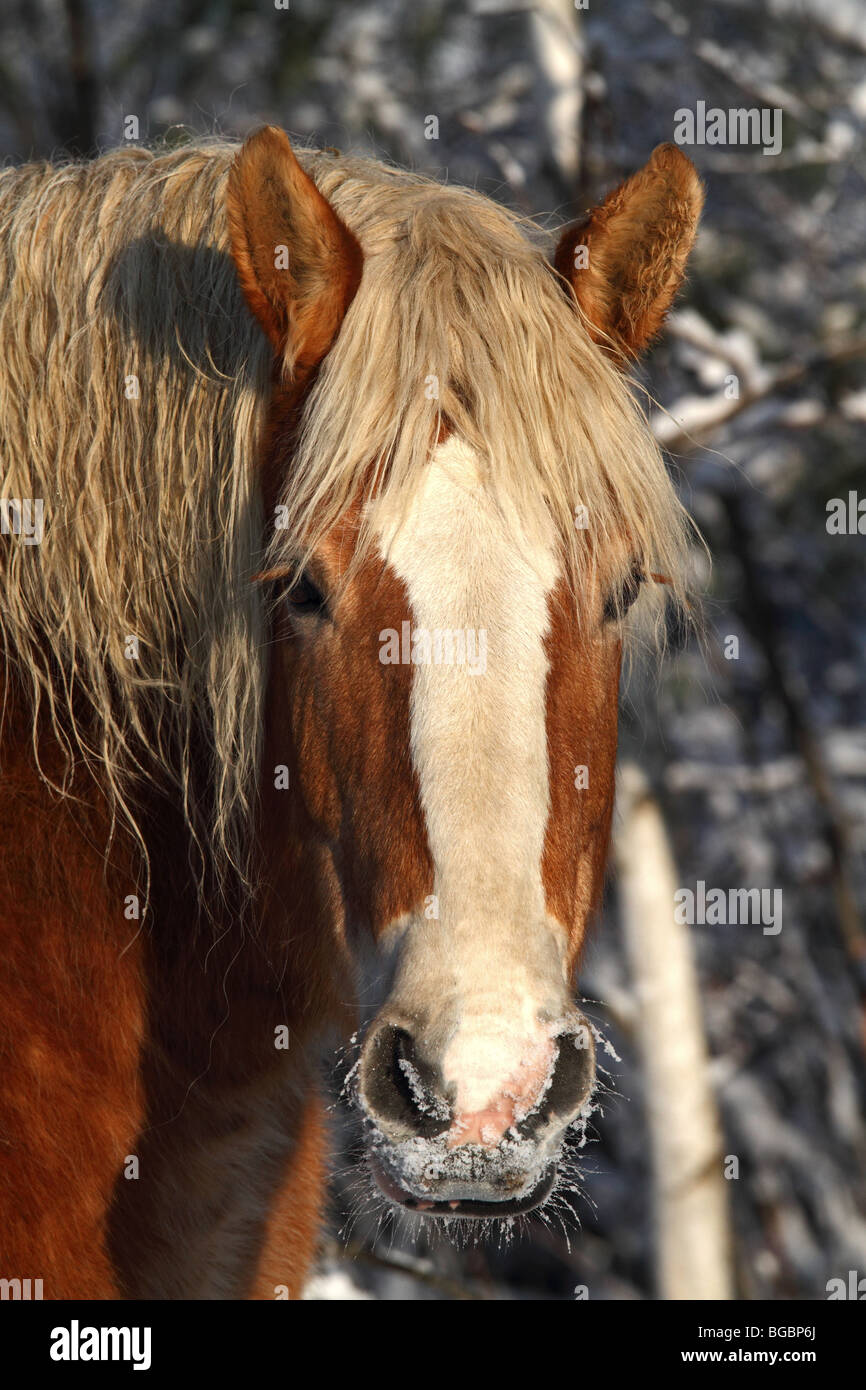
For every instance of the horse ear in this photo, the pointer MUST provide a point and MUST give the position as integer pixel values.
(298, 265)
(626, 260)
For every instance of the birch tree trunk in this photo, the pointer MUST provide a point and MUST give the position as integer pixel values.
(689, 1188)
(559, 54)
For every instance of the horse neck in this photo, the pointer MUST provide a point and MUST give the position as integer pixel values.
(200, 965)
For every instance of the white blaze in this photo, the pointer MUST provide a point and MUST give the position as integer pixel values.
(479, 747)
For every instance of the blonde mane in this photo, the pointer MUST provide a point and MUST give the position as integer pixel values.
(133, 399)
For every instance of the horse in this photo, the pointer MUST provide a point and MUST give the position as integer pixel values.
(344, 493)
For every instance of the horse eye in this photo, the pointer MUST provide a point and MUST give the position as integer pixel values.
(303, 596)
(616, 605)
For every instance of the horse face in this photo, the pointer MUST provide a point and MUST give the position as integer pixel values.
(454, 721)
(449, 707)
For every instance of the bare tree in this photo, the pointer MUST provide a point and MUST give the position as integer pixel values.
(693, 1245)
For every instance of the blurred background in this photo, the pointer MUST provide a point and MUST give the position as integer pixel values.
(729, 1152)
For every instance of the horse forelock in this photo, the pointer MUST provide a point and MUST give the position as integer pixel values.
(459, 319)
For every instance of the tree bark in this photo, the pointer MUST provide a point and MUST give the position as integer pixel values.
(693, 1242)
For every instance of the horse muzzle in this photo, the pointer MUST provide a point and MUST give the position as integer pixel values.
(430, 1153)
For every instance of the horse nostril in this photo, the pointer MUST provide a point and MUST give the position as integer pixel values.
(571, 1084)
(401, 1091)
